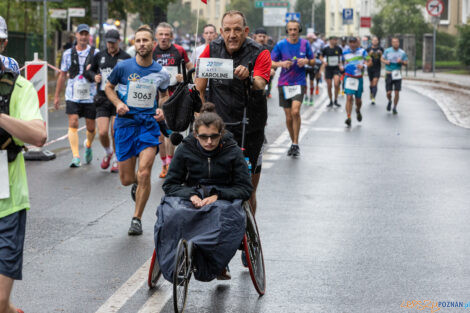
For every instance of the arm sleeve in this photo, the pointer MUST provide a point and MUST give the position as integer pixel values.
(173, 185)
(115, 75)
(241, 187)
(262, 66)
(90, 74)
(64, 65)
(185, 56)
(405, 56)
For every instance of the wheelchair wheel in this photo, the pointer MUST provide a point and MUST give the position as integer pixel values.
(154, 271)
(181, 276)
(254, 252)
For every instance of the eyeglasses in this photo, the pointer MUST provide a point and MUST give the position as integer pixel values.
(205, 137)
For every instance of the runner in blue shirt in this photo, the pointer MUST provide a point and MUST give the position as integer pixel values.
(292, 54)
(355, 59)
(393, 58)
(141, 84)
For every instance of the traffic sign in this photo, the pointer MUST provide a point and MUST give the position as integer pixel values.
(435, 7)
(292, 17)
(366, 22)
(58, 13)
(274, 16)
(348, 16)
(271, 4)
(76, 12)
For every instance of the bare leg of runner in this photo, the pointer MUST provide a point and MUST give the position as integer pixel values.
(6, 284)
(289, 122)
(296, 122)
(146, 159)
(255, 181)
(103, 130)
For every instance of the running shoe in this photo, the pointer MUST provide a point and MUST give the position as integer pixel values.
(317, 91)
(244, 260)
(311, 102)
(19, 311)
(337, 104)
(342, 92)
(270, 96)
(359, 116)
(295, 150)
(389, 105)
(136, 227)
(372, 101)
(348, 121)
(75, 162)
(290, 151)
(88, 153)
(106, 161)
(115, 167)
(330, 105)
(133, 191)
(395, 111)
(164, 171)
(225, 274)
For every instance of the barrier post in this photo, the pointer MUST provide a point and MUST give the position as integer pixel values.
(36, 73)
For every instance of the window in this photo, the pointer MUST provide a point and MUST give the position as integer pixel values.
(445, 16)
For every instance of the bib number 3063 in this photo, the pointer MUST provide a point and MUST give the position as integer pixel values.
(352, 83)
(141, 95)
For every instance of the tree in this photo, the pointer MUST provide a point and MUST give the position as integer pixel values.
(181, 13)
(305, 8)
(254, 16)
(464, 44)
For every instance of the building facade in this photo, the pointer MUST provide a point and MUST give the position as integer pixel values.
(334, 17)
(456, 12)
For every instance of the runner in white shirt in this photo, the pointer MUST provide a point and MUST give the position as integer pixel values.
(209, 33)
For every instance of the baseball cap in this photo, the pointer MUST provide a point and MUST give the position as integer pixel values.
(3, 29)
(311, 35)
(260, 30)
(112, 35)
(83, 27)
(352, 39)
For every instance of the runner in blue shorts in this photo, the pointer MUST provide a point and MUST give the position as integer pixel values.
(141, 84)
(355, 58)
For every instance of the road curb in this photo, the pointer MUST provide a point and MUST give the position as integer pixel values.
(437, 81)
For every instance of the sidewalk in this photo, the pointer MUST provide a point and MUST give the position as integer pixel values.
(452, 80)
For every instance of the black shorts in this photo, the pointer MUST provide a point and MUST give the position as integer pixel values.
(392, 84)
(253, 146)
(105, 109)
(310, 72)
(373, 73)
(12, 230)
(330, 72)
(86, 110)
(287, 103)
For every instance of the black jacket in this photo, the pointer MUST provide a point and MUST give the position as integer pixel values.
(226, 171)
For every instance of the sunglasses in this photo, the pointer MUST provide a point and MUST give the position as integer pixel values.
(206, 137)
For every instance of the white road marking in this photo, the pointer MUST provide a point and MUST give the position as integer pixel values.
(276, 150)
(159, 298)
(127, 290)
(271, 157)
(328, 129)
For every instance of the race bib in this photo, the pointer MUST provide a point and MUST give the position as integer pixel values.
(214, 68)
(333, 60)
(81, 90)
(141, 94)
(291, 91)
(396, 75)
(105, 72)
(173, 71)
(352, 83)
(4, 180)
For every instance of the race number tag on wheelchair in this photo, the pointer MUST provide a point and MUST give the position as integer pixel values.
(333, 60)
(352, 83)
(105, 72)
(81, 90)
(291, 91)
(141, 94)
(4, 180)
(396, 75)
(173, 71)
(214, 68)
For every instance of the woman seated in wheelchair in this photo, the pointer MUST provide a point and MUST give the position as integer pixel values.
(206, 184)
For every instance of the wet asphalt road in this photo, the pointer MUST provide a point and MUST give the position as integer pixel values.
(366, 218)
